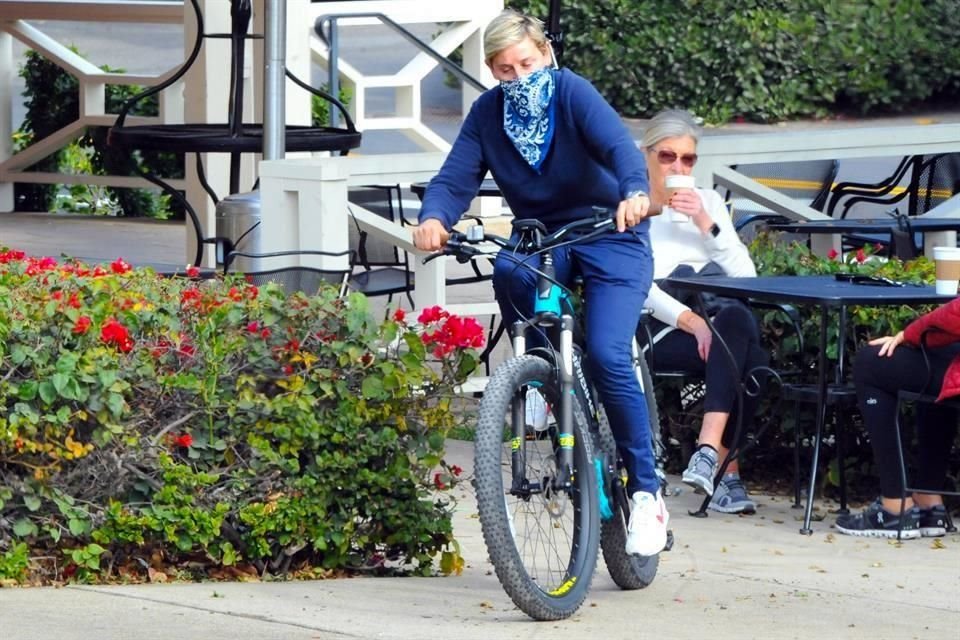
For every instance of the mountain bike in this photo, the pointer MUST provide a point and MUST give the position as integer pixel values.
(551, 494)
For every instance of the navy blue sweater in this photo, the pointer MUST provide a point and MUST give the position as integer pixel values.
(592, 161)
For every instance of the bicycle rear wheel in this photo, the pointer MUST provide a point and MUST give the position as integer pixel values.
(542, 542)
(627, 570)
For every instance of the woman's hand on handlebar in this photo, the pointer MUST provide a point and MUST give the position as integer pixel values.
(430, 235)
(632, 211)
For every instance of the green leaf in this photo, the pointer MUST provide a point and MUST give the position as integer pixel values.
(32, 502)
(372, 387)
(47, 392)
(60, 382)
(24, 528)
(27, 391)
(115, 404)
(107, 377)
(77, 526)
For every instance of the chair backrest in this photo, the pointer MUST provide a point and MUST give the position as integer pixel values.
(937, 179)
(287, 269)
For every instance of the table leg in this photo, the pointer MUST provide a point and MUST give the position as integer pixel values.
(821, 418)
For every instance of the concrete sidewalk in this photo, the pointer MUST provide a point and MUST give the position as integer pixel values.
(727, 576)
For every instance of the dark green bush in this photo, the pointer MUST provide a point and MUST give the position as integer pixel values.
(762, 59)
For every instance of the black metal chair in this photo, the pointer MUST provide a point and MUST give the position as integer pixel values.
(234, 137)
(922, 181)
(275, 266)
(925, 395)
(692, 388)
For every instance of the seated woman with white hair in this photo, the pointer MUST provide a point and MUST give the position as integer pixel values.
(696, 235)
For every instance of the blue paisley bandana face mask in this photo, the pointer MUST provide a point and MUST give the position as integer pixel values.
(528, 114)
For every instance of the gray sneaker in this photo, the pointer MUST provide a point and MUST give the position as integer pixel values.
(731, 497)
(701, 470)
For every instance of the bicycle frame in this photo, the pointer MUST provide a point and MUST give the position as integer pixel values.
(548, 315)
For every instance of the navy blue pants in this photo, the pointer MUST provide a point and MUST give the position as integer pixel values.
(617, 270)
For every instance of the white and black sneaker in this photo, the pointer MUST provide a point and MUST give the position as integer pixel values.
(877, 522)
(933, 521)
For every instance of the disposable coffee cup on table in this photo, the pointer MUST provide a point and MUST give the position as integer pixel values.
(947, 260)
(673, 183)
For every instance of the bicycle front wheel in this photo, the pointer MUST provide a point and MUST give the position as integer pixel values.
(543, 541)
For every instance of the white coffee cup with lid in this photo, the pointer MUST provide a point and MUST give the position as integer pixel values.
(947, 261)
(672, 184)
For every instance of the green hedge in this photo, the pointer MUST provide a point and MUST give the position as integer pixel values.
(762, 59)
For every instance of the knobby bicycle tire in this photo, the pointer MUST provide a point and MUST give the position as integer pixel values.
(553, 587)
(627, 570)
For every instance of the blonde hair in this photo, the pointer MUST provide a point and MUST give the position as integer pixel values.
(671, 123)
(509, 28)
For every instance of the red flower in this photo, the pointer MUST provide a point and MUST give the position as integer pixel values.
(119, 266)
(12, 255)
(832, 254)
(861, 255)
(234, 294)
(57, 295)
(190, 297)
(116, 334)
(432, 314)
(193, 272)
(877, 247)
(438, 481)
(252, 292)
(399, 315)
(74, 301)
(265, 333)
(455, 470)
(183, 440)
(253, 327)
(287, 370)
(81, 325)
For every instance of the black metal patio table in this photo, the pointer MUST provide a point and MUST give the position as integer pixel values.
(828, 293)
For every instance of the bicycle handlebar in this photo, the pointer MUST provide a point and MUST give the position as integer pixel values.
(462, 245)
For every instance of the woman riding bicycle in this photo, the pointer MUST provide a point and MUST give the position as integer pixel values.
(556, 150)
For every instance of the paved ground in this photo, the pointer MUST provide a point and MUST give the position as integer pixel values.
(728, 576)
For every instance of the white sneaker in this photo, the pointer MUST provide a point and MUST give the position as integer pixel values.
(535, 413)
(647, 531)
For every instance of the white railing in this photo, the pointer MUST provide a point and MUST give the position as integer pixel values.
(16, 22)
(200, 98)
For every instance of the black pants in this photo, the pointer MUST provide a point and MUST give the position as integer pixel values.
(737, 326)
(878, 379)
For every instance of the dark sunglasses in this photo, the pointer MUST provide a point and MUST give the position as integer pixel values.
(665, 156)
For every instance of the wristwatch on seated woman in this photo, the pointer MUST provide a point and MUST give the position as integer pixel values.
(714, 229)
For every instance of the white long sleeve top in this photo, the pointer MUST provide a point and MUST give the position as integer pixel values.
(676, 243)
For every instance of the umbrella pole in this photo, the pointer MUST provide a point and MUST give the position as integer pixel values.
(274, 45)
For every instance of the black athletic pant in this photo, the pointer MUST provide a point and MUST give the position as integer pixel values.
(737, 326)
(878, 379)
